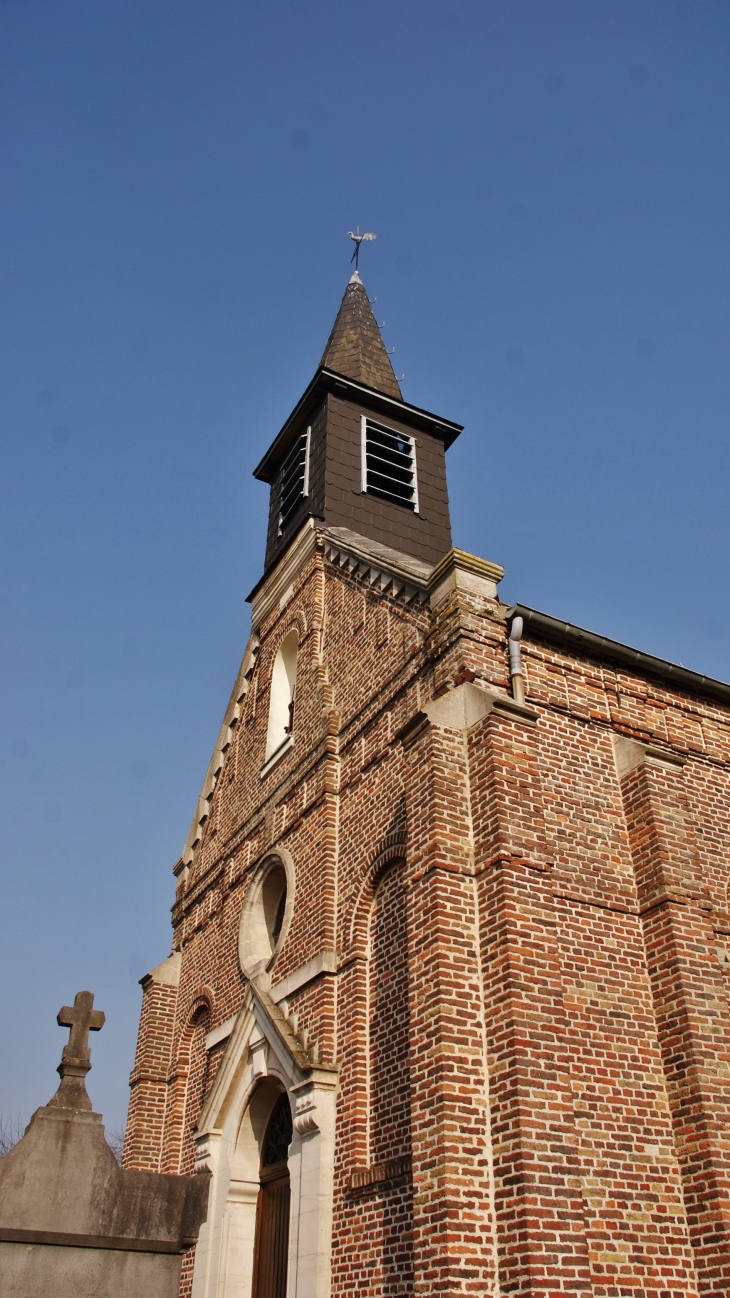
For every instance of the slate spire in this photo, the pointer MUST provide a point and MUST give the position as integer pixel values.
(355, 347)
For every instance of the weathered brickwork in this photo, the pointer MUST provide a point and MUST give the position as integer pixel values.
(690, 998)
(514, 926)
(388, 1083)
(149, 1081)
(186, 1273)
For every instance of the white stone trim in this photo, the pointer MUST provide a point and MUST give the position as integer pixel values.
(253, 958)
(629, 753)
(166, 974)
(467, 704)
(276, 756)
(311, 1164)
(377, 565)
(325, 962)
(283, 574)
(459, 572)
(262, 1049)
(363, 454)
(221, 1033)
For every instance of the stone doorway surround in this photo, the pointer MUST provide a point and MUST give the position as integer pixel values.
(263, 1057)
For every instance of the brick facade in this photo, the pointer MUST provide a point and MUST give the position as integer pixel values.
(494, 979)
(528, 911)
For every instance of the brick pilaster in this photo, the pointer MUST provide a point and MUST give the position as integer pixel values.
(453, 1225)
(690, 1003)
(148, 1082)
(541, 1225)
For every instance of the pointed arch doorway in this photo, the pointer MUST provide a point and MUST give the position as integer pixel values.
(271, 1246)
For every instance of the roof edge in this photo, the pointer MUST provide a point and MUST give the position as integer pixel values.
(329, 380)
(599, 645)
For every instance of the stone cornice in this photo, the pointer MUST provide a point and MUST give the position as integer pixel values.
(386, 570)
(389, 571)
(462, 573)
(468, 563)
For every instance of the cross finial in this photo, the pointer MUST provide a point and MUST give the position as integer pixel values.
(81, 1018)
(357, 239)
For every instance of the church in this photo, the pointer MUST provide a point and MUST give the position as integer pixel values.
(446, 1010)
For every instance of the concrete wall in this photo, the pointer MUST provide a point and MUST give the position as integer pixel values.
(73, 1224)
(34, 1271)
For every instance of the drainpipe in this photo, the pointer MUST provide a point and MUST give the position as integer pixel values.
(515, 660)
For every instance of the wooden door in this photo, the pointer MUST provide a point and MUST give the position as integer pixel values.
(271, 1250)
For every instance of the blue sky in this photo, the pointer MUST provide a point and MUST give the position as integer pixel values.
(549, 187)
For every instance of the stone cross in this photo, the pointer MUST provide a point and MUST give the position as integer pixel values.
(81, 1018)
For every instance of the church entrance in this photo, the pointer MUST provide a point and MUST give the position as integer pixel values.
(271, 1249)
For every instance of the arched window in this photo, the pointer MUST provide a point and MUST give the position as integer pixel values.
(390, 1082)
(281, 701)
(190, 1087)
(390, 1108)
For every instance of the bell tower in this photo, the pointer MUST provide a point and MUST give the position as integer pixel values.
(354, 454)
(286, 1007)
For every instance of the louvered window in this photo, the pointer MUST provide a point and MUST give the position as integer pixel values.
(294, 478)
(389, 464)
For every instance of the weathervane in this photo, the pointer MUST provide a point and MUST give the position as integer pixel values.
(357, 239)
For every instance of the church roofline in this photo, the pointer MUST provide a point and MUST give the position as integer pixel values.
(341, 543)
(393, 570)
(326, 380)
(599, 646)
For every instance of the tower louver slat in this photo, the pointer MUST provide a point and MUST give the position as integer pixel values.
(389, 464)
(294, 484)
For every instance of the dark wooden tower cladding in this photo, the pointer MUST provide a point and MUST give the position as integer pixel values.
(315, 465)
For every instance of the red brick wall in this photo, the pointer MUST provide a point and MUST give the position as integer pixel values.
(553, 931)
(196, 1082)
(186, 1273)
(149, 1080)
(690, 1000)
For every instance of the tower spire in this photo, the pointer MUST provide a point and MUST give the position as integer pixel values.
(355, 347)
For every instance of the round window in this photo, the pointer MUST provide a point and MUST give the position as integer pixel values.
(265, 916)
